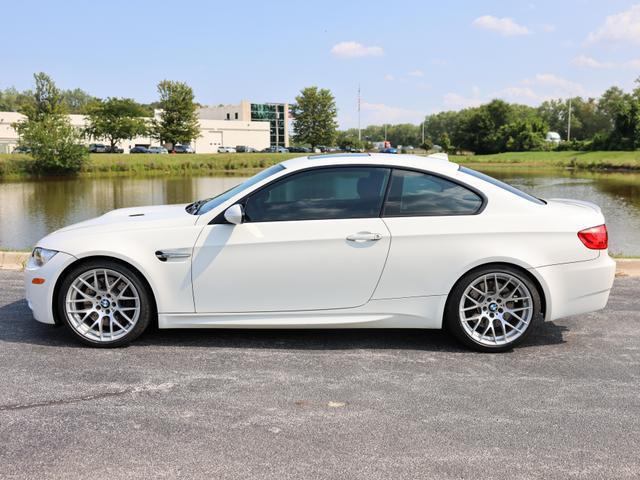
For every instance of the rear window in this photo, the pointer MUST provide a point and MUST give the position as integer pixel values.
(502, 185)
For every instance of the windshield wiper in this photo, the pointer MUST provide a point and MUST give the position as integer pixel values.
(193, 208)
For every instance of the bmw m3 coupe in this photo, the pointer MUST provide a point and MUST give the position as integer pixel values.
(331, 241)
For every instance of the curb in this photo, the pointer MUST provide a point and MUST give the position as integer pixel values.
(13, 260)
(625, 267)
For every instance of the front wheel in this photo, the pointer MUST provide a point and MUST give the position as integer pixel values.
(104, 303)
(493, 309)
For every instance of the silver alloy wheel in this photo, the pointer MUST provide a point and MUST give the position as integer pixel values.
(102, 305)
(496, 309)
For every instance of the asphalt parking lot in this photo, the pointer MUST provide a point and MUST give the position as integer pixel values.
(321, 404)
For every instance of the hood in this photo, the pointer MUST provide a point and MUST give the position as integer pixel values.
(136, 218)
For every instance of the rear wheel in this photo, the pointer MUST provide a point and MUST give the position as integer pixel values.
(493, 309)
(104, 303)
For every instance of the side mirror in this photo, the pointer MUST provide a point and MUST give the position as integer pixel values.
(234, 214)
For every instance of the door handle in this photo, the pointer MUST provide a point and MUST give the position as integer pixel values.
(364, 237)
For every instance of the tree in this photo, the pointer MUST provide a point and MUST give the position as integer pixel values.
(315, 117)
(116, 119)
(178, 122)
(445, 142)
(55, 144)
(77, 100)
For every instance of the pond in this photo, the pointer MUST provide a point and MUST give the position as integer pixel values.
(30, 209)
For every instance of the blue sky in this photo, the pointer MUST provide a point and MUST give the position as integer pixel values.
(410, 57)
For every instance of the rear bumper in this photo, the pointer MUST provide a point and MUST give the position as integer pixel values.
(575, 288)
(40, 296)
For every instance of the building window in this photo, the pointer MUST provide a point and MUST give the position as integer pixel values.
(236, 115)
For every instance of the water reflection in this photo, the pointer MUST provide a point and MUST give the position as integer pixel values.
(31, 209)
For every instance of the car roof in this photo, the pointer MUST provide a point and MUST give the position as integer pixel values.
(437, 162)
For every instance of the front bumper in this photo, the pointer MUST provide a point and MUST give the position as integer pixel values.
(40, 296)
(576, 288)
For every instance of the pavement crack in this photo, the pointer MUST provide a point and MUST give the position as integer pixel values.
(88, 398)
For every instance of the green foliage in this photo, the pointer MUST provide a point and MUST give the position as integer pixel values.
(315, 117)
(55, 144)
(178, 122)
(116, 119)
(445, 142)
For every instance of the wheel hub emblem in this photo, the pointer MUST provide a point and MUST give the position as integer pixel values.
(104, 303)
(493, 307)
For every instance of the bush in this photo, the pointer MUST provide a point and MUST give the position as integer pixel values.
(54, 143)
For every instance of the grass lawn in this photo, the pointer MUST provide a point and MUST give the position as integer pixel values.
(579, 160)
(16, 166)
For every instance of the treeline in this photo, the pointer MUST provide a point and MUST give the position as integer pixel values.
(610, 122)
(57, 146)
(75, 101)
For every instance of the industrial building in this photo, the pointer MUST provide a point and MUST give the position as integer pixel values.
(254, 125)
(277, 114)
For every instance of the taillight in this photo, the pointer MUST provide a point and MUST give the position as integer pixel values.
(595, 238)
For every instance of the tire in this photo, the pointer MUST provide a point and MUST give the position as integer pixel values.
(493, 308)
(110, 305)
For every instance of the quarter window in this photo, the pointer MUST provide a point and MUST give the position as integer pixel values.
(420, 194)
(322, 194)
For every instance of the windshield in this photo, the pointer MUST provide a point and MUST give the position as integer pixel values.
(504, 186)
(204, 206)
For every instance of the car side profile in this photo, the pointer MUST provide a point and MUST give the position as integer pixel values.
(331, 241)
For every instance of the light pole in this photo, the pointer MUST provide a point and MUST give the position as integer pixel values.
(569, 122)
(359, 129)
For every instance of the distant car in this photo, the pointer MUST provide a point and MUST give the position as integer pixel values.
(183, 149)
(275, 150)
(226, 150)
(97, 148)
(139, 149)
(160, 150)
(245, 149)
(389, 150)
(21, 150)
(299, 150)
(115, 149)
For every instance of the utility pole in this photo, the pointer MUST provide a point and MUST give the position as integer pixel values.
(422, 132)
(385, 132)
(359, 129)
(569, 122)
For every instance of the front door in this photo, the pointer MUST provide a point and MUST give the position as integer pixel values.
(312, 240)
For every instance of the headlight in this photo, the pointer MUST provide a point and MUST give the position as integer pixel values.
(40, 256)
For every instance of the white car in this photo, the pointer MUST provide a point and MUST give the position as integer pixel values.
(160, 150)
(226, 150)
(331, 241)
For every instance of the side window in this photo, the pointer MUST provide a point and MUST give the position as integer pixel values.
(322, 194)
(419, 194)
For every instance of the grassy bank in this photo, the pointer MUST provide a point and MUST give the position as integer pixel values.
(577, 160)
(19, 166)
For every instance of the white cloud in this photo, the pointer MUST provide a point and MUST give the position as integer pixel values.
(388, 77)
(549, 80)
(590, 62)
(623, 26)
(504, 26)
(547, 27)
(379, 113)
(355, 49)
(456, 100)
(416, 73)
